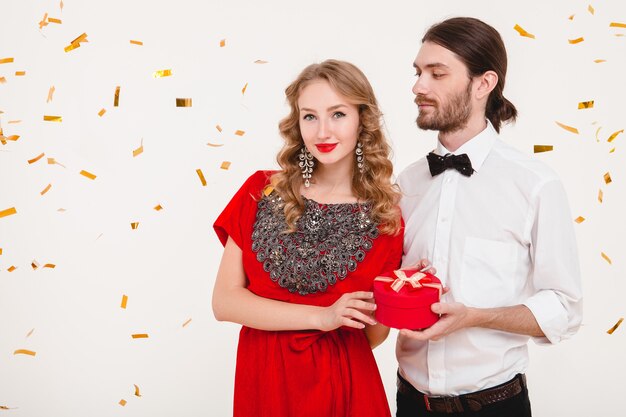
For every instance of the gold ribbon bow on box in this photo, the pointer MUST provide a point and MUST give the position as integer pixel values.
(417, 280)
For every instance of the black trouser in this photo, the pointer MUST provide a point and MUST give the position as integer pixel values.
(412, 405)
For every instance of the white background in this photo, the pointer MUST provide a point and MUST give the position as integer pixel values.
(86, 360)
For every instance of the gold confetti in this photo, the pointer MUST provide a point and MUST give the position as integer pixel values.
(101, 112)
(76, 42)
(140, 336)
(612, 150)
(225, 165)
(591, 9)
(571, 17)
(136, 42)
(122, 402)
(222, 43)
(607, 178)
(215, 145)
(599, 61)
(219, 128)
(20, 73)
(0, 251)
(575, 41)
(543, 148)
(268, 190)
(260, 61)
(187, 322)
(579, 219)
(201, 175)
(3, 80)
(617, 25)
(158, 207)
(6, 60)
(14, 121)
(43, 22)
(585, 105)
(600, 195)
(62, 210)
(614, 135)
(61, 5)
(35, 159)
(134, 225)
(239, 132)
(12, 268)
(4, 407)
(162, 73)
(29, 334)
(124, 301)
(57, 119)
(50, 266)
(243, 90)
(612, 329)
(139, 150)
(598, 131)
(568, 128)
(606, 258)
(13, 138)
(50, 94)
(522, 32)
(87, 174)
(34, 264)
(24, 352)
(53, 20)
(619, 35)
(137, 394)
(52, 161)
(183, 102)
(7, 212)
(116, 97)
(45, 190)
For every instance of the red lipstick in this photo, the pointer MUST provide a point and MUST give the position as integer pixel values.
(326, 147)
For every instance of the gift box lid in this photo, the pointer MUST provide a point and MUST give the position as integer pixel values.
(408, 296)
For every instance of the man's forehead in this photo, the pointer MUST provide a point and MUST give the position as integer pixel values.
(432, 55)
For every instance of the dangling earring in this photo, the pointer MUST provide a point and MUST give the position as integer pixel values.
(306, 165)
(360, 159)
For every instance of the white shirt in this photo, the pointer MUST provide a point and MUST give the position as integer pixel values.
(502, 237)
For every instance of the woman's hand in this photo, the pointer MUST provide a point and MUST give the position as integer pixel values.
(350, 310)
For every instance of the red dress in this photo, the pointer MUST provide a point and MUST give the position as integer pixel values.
(310, 372)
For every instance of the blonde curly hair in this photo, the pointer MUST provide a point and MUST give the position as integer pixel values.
(374, 184)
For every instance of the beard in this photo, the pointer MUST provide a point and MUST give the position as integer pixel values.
(448, 117)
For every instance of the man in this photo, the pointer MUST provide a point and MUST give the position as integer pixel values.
(497, 227)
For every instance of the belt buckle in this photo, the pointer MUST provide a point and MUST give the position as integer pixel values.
(443, 404)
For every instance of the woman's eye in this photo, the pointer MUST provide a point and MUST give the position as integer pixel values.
(308, 117)
(338, 115)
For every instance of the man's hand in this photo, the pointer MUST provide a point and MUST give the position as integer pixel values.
(454, 316)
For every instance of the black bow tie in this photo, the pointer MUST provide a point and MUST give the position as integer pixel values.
(438, 164)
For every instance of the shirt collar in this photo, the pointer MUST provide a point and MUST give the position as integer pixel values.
(477, 148)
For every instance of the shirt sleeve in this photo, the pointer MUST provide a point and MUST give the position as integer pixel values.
(231, 222)
(557, 302)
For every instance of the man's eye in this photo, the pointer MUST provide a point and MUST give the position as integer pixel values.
(339, 115)
(437, 75)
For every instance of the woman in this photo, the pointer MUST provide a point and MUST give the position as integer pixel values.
(302, 247)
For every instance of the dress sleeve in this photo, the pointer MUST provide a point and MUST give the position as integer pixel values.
(232, 221)
(395, 251)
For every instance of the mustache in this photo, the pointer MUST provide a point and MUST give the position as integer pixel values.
(421, 100)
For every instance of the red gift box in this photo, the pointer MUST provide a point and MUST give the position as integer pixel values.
(404, 297)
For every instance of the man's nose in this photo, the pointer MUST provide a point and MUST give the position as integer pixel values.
(419, 88)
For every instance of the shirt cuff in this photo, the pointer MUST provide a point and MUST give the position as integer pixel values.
(550, 315)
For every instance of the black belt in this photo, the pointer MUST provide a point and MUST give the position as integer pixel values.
(473, 401)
